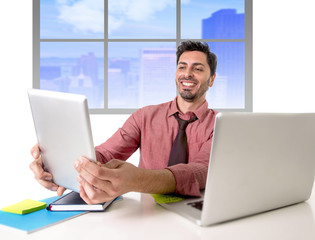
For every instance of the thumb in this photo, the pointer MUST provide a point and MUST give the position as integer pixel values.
(35, 151)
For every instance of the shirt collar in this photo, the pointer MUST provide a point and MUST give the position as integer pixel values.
(173, 108)
(201, 112)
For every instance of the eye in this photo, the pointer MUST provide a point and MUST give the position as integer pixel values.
(199, 69)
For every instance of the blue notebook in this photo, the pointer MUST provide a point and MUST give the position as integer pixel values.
(36, 220)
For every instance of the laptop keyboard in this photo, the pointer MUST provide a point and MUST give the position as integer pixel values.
(198, 204)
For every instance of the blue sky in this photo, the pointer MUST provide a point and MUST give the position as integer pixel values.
(193, 12)
(72, 19)
(127, 18)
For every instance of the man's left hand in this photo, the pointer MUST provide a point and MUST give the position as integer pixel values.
(101, 183)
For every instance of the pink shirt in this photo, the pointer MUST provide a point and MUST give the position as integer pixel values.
(153, 129)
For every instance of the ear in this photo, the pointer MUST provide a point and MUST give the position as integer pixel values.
(212, 79)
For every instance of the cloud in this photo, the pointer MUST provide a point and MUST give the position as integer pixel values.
(134, 10)
(138, 10)
(88, 15)
(85, 15)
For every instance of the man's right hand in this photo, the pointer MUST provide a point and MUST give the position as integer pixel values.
(43, 177)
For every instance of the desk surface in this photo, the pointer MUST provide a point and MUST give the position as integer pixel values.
(137, 216)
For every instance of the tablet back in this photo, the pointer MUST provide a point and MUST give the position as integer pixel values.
(63, 132)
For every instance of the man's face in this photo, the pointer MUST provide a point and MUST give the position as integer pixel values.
(193, 76)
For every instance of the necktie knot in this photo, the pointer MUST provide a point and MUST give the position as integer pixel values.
(184, 123)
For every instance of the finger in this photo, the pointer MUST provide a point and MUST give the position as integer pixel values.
(35, 151)
(95, 182)
(86, 193)
(92, 194)
(37, 161)
(49, 185)
(38, 171)
(84, 196)
(83, 164)
(60, 191)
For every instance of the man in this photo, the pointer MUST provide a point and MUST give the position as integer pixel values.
(153, 129)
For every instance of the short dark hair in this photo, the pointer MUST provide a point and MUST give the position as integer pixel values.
(201, 47)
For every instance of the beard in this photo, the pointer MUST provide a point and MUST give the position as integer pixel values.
(187, 94)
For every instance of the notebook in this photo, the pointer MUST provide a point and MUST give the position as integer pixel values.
(73, 202)
(24, 207)
(258, 162)
(63, 130)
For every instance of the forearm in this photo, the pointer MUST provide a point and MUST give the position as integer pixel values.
(190, 178)
(156, 181)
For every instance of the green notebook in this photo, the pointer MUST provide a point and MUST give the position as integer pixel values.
(24, 207)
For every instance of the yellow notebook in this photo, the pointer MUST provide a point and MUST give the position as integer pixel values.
(26, 206)
(166, 198)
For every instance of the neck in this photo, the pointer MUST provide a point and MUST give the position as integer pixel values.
(185, 106)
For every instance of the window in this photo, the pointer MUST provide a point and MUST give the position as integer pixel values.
(121, 54)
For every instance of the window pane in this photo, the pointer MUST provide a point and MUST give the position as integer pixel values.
(74, 67)
(228, 90)
(140, 74)
(142, 19)
(72, 19)
(212, 19)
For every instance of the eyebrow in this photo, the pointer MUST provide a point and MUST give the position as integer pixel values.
(194, 64)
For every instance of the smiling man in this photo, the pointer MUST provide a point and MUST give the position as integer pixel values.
(174, 140)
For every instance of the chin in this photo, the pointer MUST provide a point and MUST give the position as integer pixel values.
(187, 96)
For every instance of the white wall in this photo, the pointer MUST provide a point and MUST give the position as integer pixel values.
(283, 82)
(284, 51)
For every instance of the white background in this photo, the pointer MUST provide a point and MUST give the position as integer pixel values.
(283, 57)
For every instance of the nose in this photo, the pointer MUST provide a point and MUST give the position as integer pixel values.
(188, 74)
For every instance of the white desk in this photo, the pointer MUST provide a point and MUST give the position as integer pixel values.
(137, 216)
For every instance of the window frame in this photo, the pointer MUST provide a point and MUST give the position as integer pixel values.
(248, 40)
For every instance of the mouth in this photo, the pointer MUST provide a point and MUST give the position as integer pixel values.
(187, 84)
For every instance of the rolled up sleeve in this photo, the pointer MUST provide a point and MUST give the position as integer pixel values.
(191, 178)
(123, 143)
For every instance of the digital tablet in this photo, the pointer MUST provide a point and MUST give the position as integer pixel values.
(63, 129)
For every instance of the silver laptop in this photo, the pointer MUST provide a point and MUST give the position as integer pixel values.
(258, 162)
(63, 130)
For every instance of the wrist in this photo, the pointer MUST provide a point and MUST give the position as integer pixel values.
(156, 181)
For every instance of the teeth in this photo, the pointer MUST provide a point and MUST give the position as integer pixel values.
(188, 84)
